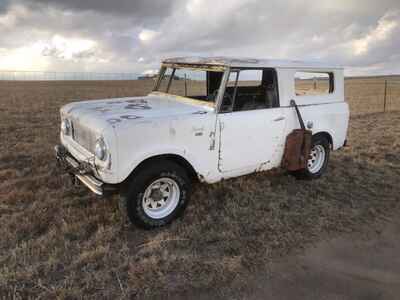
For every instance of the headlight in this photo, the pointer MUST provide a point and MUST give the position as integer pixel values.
(66, 127)
(100, 149)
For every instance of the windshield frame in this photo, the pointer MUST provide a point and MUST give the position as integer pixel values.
(212, 68)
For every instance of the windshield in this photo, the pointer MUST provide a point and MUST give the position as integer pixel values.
(192, 83)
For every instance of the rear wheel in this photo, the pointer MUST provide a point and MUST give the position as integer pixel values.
(317, 162)
(156, 195)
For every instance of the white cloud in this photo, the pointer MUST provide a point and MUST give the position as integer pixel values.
(147, 35)
(27, 58)
(150, 72)
(68, 48)
(383, 31)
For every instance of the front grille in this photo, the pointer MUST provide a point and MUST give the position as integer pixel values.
(83, 136)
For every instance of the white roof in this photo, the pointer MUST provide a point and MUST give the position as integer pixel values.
(242, 62)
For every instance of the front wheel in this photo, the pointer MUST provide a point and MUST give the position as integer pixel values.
(317, 162)
(156, 195)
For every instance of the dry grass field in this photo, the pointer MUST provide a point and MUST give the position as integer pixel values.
(61, 241)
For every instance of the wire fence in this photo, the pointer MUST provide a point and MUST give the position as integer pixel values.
(364, 94)
(370, 95)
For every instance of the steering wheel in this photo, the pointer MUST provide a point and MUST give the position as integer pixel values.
(212, 96)
(227, 100)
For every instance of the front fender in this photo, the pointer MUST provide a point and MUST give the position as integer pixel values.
(130, 166)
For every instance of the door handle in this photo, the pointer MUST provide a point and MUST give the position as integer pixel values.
(279, 119)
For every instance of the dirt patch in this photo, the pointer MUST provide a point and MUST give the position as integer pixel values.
(58, 241)
(355, 266)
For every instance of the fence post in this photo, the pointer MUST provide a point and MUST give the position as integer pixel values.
(185, 86)
(384, 97)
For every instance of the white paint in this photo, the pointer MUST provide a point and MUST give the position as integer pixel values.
(260, 130)
(244, 142)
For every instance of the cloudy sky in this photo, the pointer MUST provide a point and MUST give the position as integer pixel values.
(134, 35)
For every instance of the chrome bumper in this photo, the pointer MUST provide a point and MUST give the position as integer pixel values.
(79, 170)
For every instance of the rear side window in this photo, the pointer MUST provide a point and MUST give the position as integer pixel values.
(313, 83)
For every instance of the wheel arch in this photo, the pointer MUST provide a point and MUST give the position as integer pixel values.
(178, 159)
(326, 135)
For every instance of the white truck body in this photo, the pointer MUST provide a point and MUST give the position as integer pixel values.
(215, 145)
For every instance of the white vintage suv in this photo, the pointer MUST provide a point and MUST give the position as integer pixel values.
(207, 119)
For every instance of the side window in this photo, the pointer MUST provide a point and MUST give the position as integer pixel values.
(250, 89)
(313, 83)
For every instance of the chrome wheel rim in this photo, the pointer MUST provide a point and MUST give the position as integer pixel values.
(316, 159)
(161, 198)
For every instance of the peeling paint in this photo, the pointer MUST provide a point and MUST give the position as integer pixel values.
(262, 166)
(200, 112)
(212, 140)
(201, 178)
(114, 102)
(113, 120)
(172, 131)
(101, 109)
(123, 117)
(203, 67)
(130, 117)
(137, 106)
(136, 101)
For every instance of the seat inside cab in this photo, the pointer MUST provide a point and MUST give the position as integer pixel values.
(251, 89)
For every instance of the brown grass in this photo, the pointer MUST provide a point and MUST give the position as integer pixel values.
(61, 241)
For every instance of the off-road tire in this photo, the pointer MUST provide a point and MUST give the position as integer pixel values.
(131, 195)
(317, 140)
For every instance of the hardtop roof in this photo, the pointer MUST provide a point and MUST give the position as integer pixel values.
(243, 62)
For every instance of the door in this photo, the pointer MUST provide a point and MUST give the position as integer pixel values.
(251, 122)
(249, 139)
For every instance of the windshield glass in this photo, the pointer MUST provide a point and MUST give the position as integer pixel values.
(193, 83)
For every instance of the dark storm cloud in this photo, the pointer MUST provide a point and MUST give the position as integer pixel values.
(4, 5)
(134, 8)
(269, 22)
(135, 35)
(327, 30)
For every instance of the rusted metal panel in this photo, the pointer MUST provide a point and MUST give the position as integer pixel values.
(297, 150)
(243, 62)
(205, 67)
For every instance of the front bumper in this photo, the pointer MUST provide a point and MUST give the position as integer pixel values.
(79, 170)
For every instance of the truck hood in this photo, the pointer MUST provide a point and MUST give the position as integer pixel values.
(98, 114)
